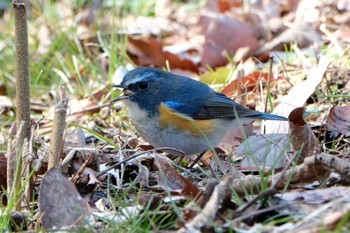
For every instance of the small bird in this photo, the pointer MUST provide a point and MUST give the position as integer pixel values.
(170, 110)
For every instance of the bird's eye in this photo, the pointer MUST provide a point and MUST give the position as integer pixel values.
(143, 85)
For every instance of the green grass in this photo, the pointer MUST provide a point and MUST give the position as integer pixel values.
(57, 59)
(64, 60)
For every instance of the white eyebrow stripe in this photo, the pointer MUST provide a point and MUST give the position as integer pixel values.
(138, 78)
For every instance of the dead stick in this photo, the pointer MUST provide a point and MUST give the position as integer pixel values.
(341, 166)
(58, 130)
(22, 66)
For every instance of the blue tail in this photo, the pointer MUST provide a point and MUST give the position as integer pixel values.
(268, 116)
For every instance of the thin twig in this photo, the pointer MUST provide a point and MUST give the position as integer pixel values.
(266, 193)
(76, 177)
(135, 156)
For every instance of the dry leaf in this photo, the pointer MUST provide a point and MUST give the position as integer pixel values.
(60, 203)
(143, 175)
(92, 176)
(269, 150)
(225, 34)
(150, 200)
(149, 51)
(338, 120)
(249, 82)
(302, 137)
(171, 180)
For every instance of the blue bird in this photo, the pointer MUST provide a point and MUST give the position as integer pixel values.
(170, 110)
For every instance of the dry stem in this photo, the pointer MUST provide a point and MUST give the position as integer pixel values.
(22, 67)
(58, 130)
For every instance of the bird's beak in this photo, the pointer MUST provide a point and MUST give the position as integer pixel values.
(127, 93)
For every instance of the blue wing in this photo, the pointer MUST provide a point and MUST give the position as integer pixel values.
(216, 105)
(189, 109)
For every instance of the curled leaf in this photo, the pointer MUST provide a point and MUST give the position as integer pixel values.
(302, 137)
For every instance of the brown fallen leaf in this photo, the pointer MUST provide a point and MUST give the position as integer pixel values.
(302, 137)
(60, 203)
(249, 81)
(171, 180)
(225, 34)
(338, 120)
(149, 51)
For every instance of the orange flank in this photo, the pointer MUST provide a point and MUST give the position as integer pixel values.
(169, 118)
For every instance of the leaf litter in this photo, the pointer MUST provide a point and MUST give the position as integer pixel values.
(101, 184)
